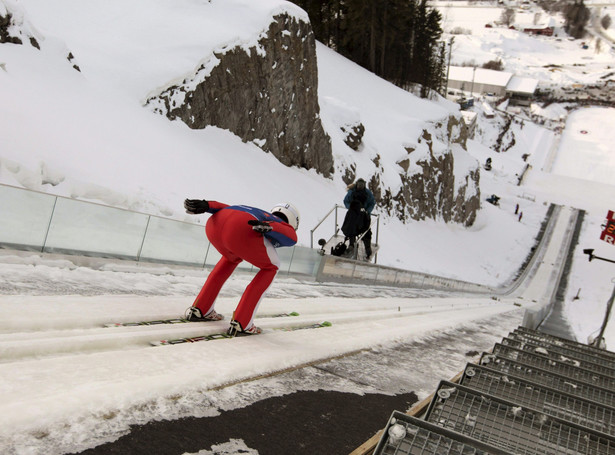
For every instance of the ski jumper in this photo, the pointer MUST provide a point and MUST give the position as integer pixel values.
(229, 232)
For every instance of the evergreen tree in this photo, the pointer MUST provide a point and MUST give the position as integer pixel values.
(576, 15)
(428, 32)
(395, 39)
(439, 71)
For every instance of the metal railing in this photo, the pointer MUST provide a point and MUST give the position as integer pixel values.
(34, 221)
(337, 228)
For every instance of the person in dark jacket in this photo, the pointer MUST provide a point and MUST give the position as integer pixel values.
(360, 202)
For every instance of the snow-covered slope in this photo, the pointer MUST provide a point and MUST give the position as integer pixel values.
(66, 383)
(86, 135)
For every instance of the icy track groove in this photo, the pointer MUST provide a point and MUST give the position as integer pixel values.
(21, 345)
(63, 369)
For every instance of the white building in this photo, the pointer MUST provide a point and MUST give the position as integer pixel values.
(521, 90)
(482, 81)
(478, 80)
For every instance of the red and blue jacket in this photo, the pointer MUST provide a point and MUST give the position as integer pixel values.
(282, 233)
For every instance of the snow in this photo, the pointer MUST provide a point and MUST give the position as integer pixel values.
(67, 383)
(523, 85)
(554, 61)
(152, 30)
(584, 133)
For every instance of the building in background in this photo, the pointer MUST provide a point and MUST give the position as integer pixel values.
(521, 90)
(478, 81)
(495, 85)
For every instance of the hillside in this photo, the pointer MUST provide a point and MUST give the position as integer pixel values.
(93, 139)
(85, 134)
(73, 123)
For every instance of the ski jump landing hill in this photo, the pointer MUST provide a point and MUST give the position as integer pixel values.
(97, 235)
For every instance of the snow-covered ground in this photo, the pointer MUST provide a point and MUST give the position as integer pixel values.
(554, 61)
(66, 383)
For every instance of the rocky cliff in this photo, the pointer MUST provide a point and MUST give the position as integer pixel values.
(12, 29)
(446, 185)
(267, 94)
(16, 29)
(439, 180)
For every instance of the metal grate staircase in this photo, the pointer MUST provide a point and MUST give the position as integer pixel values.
(533, 394)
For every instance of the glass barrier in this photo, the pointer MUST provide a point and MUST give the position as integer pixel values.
(37, 221)
(175, 242)
(95, 230)
(24, 217)
(405, 279)
(304, 261)
(365, 272)
(336, 267)
(286, 257)
(387, 275)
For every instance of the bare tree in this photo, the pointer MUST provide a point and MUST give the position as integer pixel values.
(508, 17)
(494, 65)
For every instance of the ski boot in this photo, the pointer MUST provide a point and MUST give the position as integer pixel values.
(193, 314)
(236, 330)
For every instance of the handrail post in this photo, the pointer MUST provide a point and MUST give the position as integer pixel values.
(206, 253)
(322, 221)
(290, 262)
(143, 240)
(53, 211)
(336, 229)
(377, 233)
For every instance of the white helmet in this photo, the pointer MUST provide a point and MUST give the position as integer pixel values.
(288, 213)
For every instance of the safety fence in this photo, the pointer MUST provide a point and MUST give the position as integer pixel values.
(333, 268)
(35, 221)
(41, 222)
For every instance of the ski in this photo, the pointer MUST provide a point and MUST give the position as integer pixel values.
(139, 323)
(224, 335)
(181, 321)
(309, 326)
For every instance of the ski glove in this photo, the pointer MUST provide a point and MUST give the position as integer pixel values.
(196, 206)
(260, 226)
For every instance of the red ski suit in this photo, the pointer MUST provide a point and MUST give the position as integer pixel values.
(229, 232)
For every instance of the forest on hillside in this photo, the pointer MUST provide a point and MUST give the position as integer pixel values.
(399, 40)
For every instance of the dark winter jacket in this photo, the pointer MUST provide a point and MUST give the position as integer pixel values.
(356, 221)
(365, 197)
